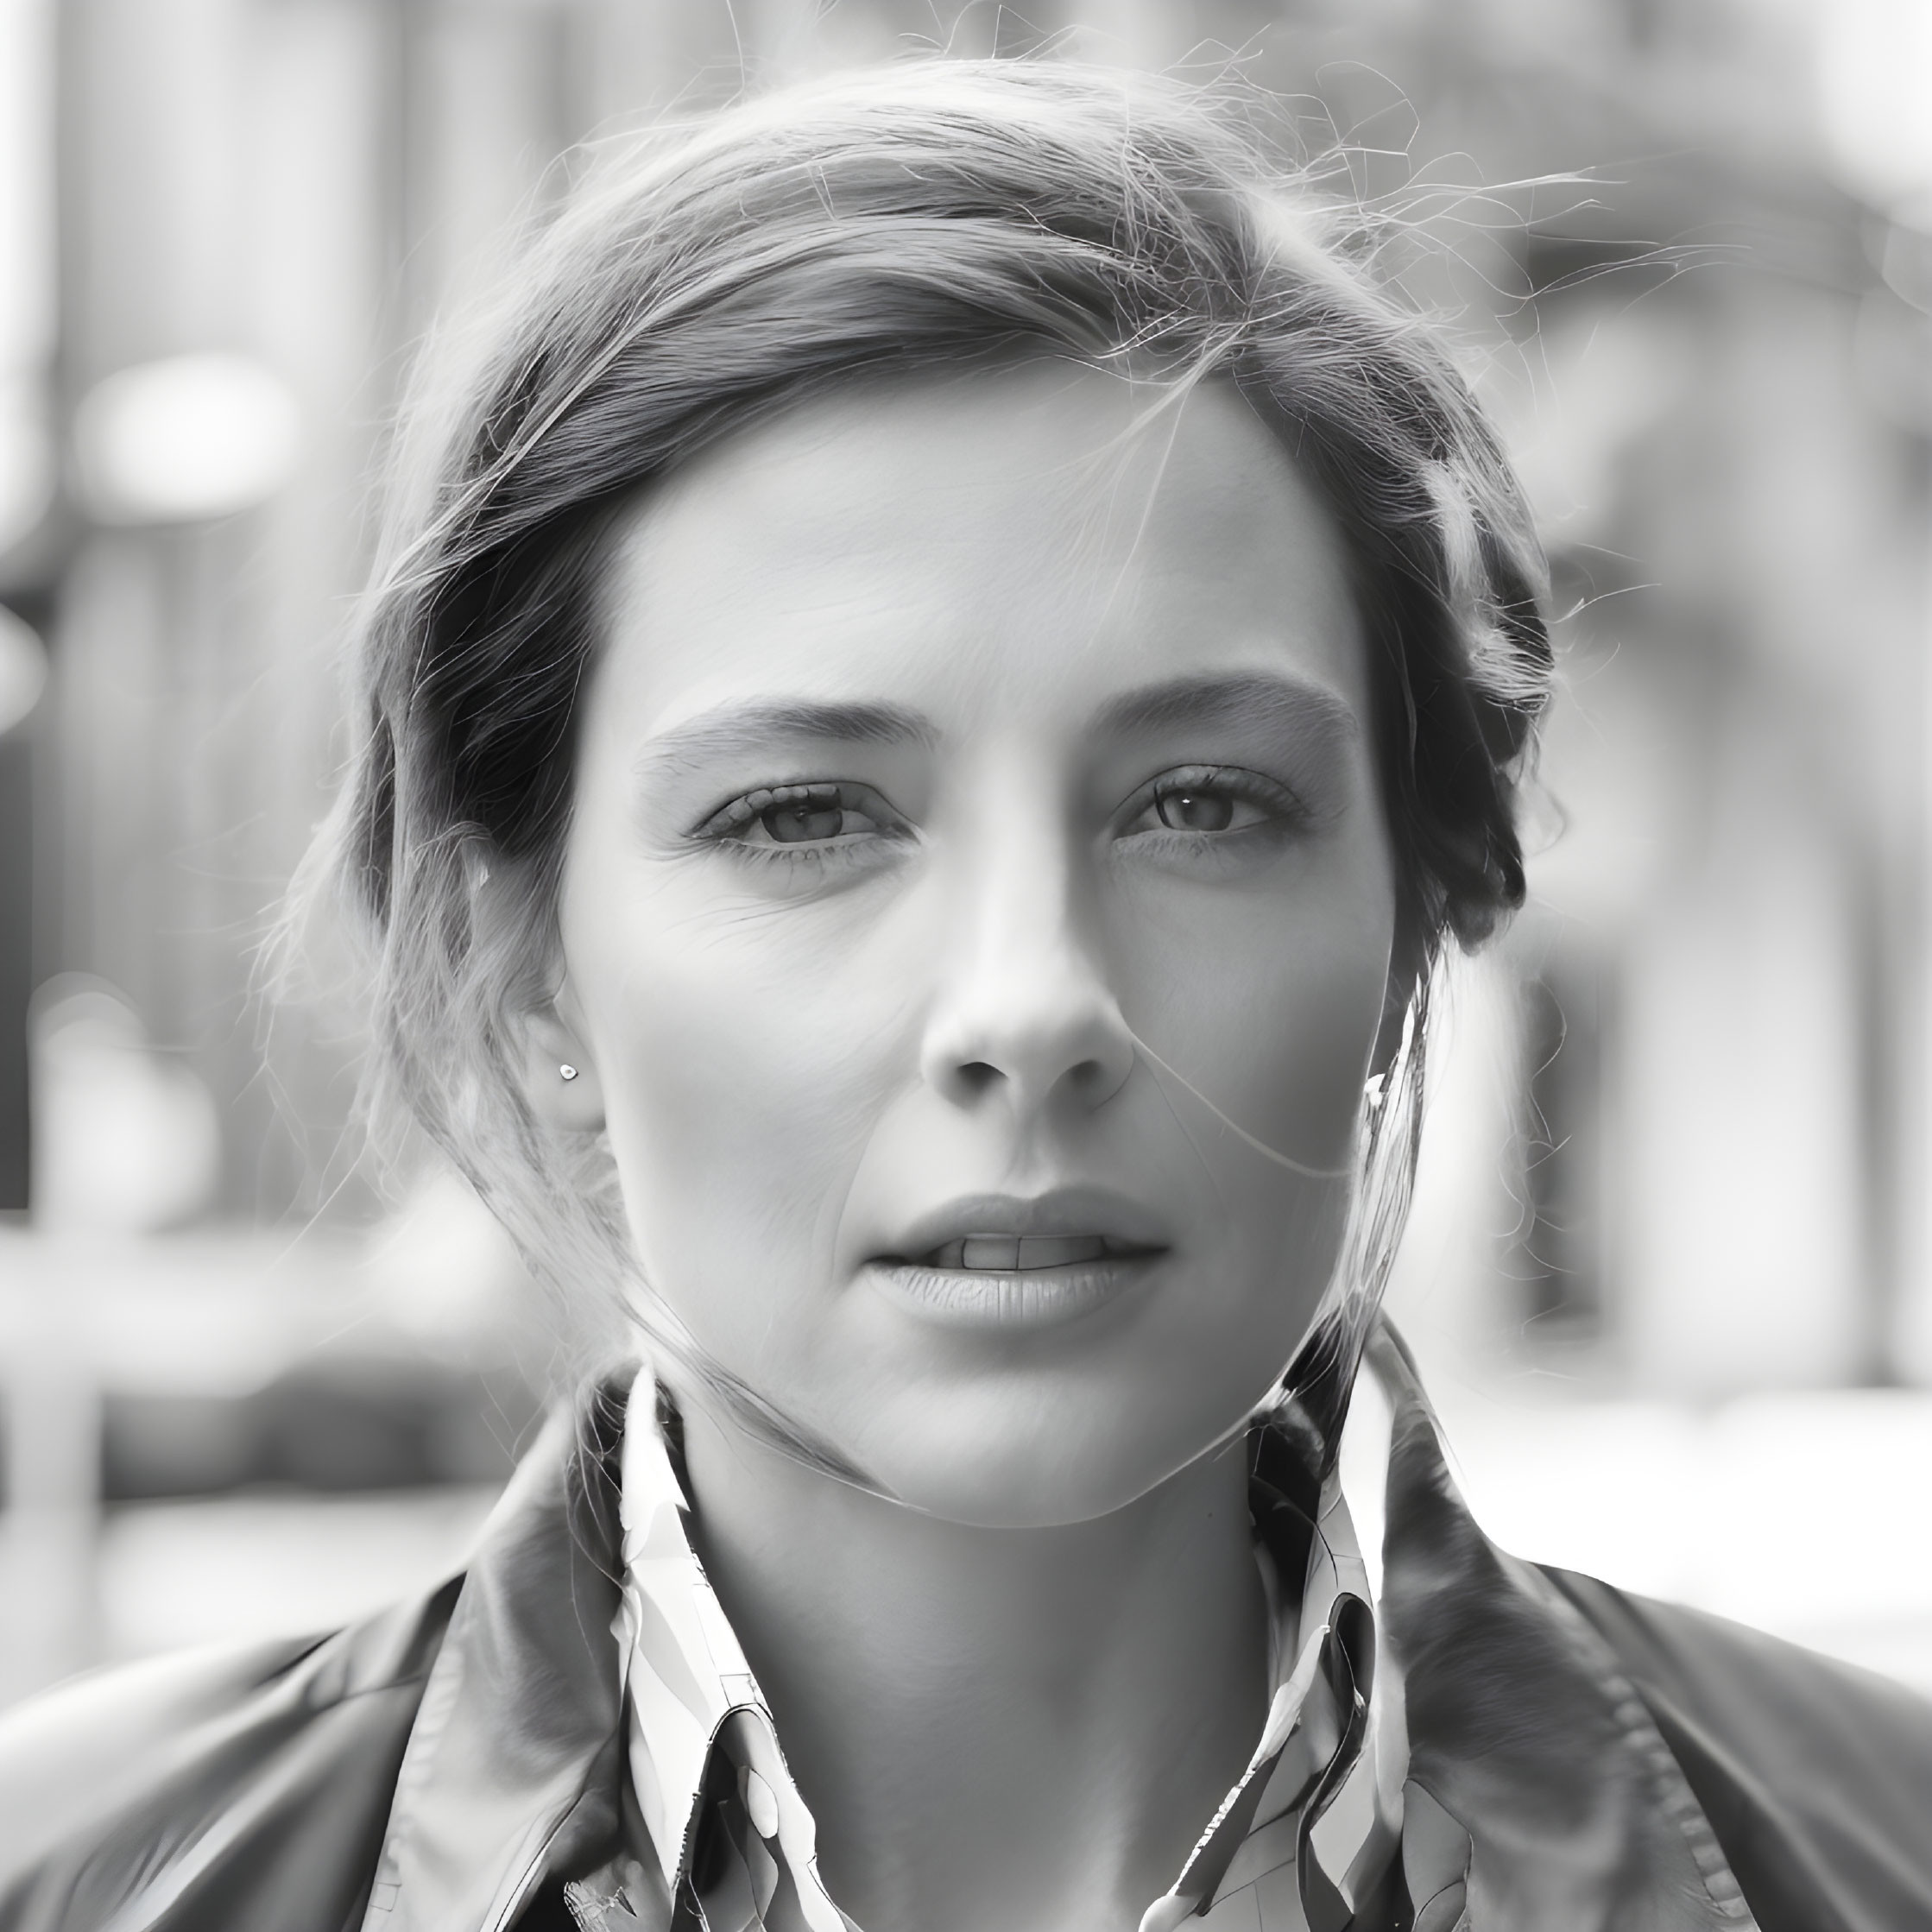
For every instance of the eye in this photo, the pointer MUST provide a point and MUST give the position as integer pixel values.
(1196, 810)
(1205, 800)
(819, 814)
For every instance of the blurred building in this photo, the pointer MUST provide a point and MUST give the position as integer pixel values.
(1680, 1143)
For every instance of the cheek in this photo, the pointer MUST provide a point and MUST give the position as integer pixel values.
(741, 1081)
(1269, 1012)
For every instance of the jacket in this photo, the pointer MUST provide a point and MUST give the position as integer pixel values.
(265, 1788)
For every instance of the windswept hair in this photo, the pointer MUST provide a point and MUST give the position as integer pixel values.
(929, 215)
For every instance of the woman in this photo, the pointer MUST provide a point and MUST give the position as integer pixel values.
(947, 687)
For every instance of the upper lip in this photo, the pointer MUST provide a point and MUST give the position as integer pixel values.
(1063, 1211)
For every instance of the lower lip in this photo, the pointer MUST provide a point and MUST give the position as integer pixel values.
(1009, 1301)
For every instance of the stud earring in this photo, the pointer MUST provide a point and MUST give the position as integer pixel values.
(566, 1071)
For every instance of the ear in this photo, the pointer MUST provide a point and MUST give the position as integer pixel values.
(559, 1080)
(560, 1076)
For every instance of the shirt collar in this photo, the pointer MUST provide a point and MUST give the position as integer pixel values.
(1316, 1812)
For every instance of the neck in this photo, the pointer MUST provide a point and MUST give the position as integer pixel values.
(993, 1728)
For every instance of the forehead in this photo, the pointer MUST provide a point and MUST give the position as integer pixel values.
(1043, 538)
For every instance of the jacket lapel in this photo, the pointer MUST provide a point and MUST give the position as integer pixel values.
(1523, 1729)
(515, 1765)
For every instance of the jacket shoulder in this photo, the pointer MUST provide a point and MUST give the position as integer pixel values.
(260, 1772)
(1816, 1776)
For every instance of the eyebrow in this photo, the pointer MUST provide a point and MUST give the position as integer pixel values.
(736, 728)
(1247, 697)
(1281, 703)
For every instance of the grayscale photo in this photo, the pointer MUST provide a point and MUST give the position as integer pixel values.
(965, 967)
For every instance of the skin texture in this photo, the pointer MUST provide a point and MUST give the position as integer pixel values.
(1092, 890)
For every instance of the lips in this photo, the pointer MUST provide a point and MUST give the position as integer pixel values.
(1011, 1264)
(1010, 1234)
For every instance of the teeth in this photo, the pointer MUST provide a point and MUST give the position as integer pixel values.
(1013, 1254)
(1060, 1251)
(989, 1252)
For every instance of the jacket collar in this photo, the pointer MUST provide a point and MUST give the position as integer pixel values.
(513, 1766)
(1539, 1789)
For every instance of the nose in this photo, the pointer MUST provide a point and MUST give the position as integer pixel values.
(1024, 1014)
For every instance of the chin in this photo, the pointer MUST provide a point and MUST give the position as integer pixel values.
(1048, 1461)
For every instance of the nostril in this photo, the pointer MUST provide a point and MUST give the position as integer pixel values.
(1094, 1081)
(976, 1076)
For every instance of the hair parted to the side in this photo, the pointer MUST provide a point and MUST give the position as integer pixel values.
(927, 216)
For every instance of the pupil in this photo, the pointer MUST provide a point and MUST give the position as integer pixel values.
(797, 825)
(1197, 811)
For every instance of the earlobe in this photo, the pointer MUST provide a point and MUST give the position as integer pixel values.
(559, 1077)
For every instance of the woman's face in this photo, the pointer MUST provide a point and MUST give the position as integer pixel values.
(976, 920)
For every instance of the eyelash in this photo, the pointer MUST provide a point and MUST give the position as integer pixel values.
(729, 824)
(1284, 810)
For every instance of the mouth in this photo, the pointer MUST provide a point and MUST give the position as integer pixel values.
(1026, 1253)
(997, 1262)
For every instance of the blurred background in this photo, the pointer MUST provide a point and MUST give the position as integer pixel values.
(1670, 1270)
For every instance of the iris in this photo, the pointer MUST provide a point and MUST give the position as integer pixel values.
(1195, 811)
(796, 825)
